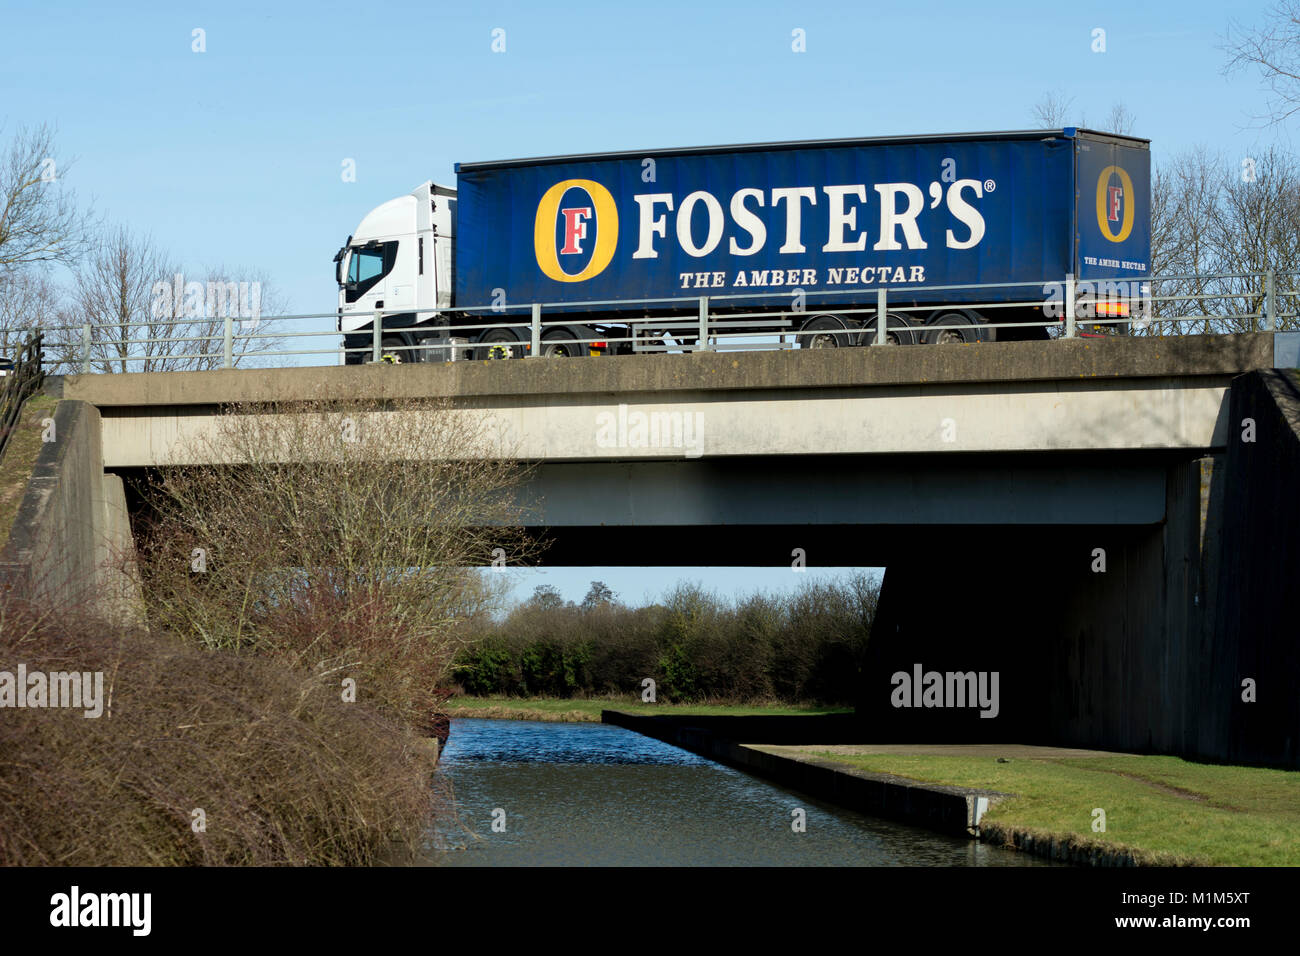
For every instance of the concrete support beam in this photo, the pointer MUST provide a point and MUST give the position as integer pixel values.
(1067, 416)
(852, 490)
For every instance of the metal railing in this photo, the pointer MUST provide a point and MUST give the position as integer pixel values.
(19, 383)
(1222, 302)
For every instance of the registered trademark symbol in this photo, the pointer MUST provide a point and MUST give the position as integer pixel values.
(989, 185)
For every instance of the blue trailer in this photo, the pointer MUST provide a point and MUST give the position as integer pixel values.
(806, 232)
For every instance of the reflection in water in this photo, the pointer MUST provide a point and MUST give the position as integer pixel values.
(596, 795)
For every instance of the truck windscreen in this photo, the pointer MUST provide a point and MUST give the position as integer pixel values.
(367, 266)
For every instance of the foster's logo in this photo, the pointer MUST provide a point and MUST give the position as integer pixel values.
(1115, 203)
(576, 230)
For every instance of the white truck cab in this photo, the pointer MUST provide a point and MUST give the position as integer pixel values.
(399, 263)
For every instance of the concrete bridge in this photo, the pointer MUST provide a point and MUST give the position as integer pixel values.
(846, 451)
(1084, 517)
(1084, 395)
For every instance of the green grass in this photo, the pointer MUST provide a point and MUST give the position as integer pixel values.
(579, 709)
(19, 457)
(1166, 809)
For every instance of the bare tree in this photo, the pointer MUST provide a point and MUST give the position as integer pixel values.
(145, 315)
(343, 536)
(1274, 50)
(41, 220)
(248, 296)
(1052, 111)
(1258, 229)
(29, 300)
(112, 294)
(1191, 185)
(1120, 120)
(1216, 227)
(1165, 221)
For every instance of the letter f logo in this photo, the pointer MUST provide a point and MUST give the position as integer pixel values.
(575, 228)
(1116, 197)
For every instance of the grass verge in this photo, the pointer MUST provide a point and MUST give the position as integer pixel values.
(1164, 810)
(19, 458)
(588, 709)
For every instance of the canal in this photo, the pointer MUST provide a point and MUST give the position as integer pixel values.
(529, 793)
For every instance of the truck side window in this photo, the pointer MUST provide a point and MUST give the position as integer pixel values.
(368, 266)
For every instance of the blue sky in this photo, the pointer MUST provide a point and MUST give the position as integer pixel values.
(637, 586)
(233, 156)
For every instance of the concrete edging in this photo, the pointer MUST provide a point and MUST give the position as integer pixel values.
(1062, 849)
(952, 810)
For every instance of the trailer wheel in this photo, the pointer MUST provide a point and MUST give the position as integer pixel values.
(907, 335)
(560, 343)
(949, 327)
(497, 344)
(824, 332)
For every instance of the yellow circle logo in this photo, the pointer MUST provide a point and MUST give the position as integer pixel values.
(1115, 204)
(576, 219)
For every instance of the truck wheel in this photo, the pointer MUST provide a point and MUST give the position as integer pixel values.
(951, 327)
(497, 344)
(824, 332)
(559, 344)
(394, 351)
(893, 335)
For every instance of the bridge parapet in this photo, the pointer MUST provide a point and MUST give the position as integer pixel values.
(1212, 356)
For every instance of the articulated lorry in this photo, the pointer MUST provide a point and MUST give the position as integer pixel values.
(610, 253)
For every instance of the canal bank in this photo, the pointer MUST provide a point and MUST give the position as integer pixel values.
(580, 709)
(955, 811)
(788, 756)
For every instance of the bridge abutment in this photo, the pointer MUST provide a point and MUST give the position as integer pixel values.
(70, 550)
(1137, 639)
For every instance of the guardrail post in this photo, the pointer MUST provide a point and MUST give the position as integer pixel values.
(1069, 306)
(378, 325)
(1270, 302)
(703, 344)
(536, 349)
(85, 348)
(882, 313)
(228, 344)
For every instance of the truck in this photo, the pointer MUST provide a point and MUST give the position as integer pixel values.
(964, 237)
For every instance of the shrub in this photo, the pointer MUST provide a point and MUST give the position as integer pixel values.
(283, 770)
(344, 540)
(807, 646)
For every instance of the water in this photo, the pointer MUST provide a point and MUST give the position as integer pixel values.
(597, 795)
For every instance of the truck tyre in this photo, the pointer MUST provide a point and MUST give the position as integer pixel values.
(893, 335)
(393, 351)
(824, 332)
(498, 344)
(560, 343)
(948, 327)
